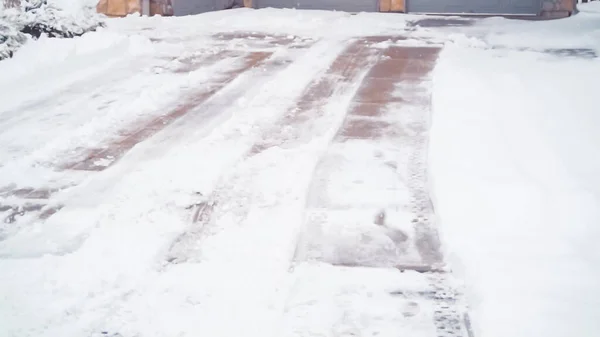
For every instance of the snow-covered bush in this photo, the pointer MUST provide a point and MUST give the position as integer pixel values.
(10, 38)
(35, 18)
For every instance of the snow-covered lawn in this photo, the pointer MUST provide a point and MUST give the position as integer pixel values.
(512, 165)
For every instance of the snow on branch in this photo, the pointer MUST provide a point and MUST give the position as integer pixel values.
(21, 20)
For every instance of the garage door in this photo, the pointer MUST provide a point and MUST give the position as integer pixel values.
(514, 7)
(190, 7)
(340, 5)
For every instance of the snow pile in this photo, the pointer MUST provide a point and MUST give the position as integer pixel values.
(580, 31)
(39, 17)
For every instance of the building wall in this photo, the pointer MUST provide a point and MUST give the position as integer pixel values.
(125, 7)
(191, 7)
(549, 8)
(343, 5)
(558, 8)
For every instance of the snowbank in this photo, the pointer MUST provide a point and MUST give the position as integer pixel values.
(306, 23)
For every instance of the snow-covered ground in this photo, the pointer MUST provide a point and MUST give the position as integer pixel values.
(512, 164)
(515, 175)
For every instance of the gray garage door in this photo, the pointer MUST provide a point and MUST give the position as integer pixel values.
(191, 7)
(515, 7)
(340, 5)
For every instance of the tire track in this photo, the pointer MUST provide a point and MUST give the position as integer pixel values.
(381, 148)
(102, 158)
(204, 108)
(307, 120)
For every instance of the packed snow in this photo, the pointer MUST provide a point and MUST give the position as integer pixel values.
(512, 165)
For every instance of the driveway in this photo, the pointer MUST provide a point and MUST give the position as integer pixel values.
(229, 180)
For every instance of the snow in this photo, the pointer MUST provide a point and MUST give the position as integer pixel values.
(313, 23)
(512, 165)
(515, 180)
(580, 31)
(74, 6)
(313, 309)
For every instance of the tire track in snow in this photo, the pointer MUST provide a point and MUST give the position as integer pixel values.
(93, 110)
(310, 120)
(251, 239)
(184, 131)
(101, 158)
(369, 204)
(98, 158)
(122, 198)
(67, 112)
(134, 134)
(250, 221)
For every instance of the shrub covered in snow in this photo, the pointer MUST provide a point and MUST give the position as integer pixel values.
(35, 18)
(10, 38)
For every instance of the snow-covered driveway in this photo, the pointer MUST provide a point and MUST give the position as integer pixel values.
(266, 173)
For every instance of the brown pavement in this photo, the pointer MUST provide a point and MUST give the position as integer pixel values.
(389, 110)
(385, 185)
(367, 121)
(340, 76)
(100, 159)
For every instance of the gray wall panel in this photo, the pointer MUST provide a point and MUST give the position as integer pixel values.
(517, 7)
(190, 7)
(340, 5)
(274, 3)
